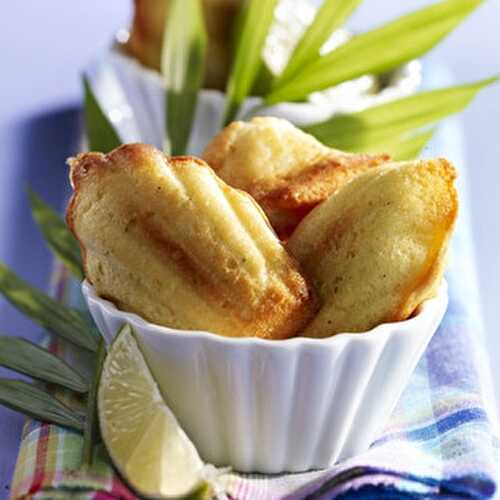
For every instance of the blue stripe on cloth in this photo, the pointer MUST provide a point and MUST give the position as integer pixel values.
(473, 486)
(450, 422)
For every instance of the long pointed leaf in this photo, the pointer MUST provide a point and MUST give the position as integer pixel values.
(263, 82)
(257, 18)
(56, 234)
(25, 357)
(183, 61)
(406, 146)
(330, 16)
(378, 50)
(101, 134)
(25, 398)
(409, 147)
(363, 130)
(61, 320)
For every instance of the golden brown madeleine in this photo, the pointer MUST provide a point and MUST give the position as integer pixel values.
(286, 170)
(146, 35)
(167, 239)
(376, 249)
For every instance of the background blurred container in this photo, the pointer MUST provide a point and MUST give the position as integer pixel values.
(45, 46)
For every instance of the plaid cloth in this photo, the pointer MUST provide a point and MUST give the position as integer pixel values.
(439, 442)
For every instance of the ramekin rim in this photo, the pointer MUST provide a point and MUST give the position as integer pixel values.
(429, 306)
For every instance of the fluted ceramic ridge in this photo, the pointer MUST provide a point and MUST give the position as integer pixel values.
(275, 406)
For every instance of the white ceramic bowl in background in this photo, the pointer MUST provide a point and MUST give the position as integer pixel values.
(279, 406)
(133, 98)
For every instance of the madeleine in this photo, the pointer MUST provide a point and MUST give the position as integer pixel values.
(166, 239)
(376, 249)
(148, 27)
(286, 170)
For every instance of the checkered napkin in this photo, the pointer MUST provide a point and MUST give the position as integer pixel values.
(439, 442)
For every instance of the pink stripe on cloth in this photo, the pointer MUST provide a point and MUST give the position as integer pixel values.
(118, 492)
(41, 455)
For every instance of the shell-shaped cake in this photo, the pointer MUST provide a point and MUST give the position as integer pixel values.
(165, 238)
(376, 249)
(286, 170)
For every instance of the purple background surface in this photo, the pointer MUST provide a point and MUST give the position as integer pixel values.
(45, 45)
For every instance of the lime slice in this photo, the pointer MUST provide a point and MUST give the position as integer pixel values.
(142, 435)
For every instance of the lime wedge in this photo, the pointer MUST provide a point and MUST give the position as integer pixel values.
(142, 435)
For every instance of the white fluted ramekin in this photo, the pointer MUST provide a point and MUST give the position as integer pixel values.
(279, 406)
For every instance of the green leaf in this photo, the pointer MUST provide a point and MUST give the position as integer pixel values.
(403, 147)
(25, 357)
(68, 323)
(257, 19)
(56, 234)
(101, 134)
(330, 16)
(183, 61)
(263, 82)
(91, 431)
(378, 50)
(364, 130)
(410, 146)
(33, 402)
